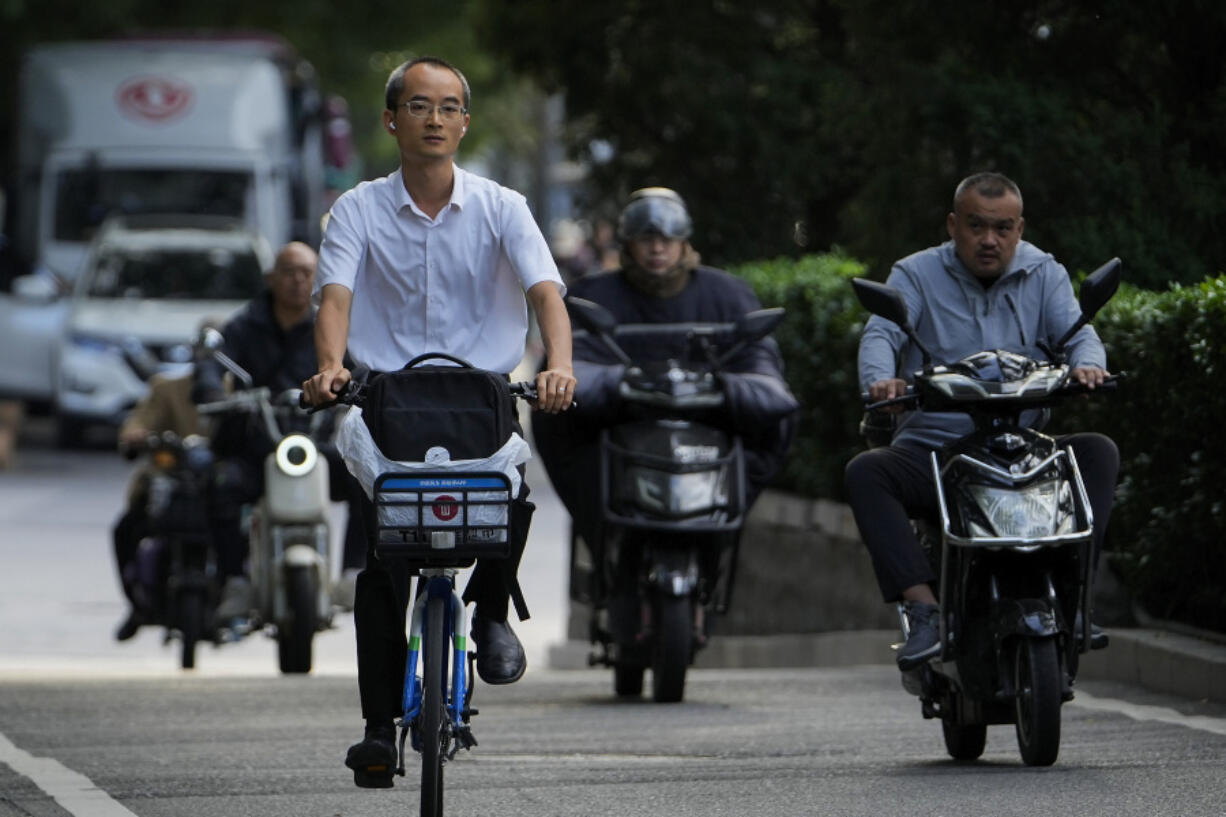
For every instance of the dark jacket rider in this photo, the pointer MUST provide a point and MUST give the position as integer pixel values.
(662, 281)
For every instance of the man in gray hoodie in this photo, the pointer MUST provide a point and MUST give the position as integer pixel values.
(985, 288)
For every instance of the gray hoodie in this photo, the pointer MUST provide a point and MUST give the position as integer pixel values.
(955, 316)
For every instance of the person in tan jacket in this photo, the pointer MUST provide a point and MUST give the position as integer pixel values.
(167, 407)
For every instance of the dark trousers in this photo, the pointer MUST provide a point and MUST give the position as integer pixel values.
(129, 529)
(381, 603)
(888, 487)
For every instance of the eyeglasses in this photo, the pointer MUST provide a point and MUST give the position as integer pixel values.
(448, 111)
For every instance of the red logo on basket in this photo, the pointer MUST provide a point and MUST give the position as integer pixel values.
(153, 98)
(445, 508)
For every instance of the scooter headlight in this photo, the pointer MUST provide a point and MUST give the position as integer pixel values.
(679, 493)
(1031, 512)
(297, 455)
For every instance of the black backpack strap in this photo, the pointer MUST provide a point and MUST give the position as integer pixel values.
(439, 356)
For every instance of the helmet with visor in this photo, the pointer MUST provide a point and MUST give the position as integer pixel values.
(654, 210)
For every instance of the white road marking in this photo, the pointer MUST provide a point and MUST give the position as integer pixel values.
(1144, 712)
(74, 792)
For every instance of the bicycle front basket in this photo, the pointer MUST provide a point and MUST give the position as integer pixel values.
(443, 518)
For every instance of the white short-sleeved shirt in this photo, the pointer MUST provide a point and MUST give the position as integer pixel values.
(452, 284)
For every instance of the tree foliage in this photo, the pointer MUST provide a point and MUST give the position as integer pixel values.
(814, 123)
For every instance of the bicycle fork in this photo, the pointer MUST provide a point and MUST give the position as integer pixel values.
(459, 693)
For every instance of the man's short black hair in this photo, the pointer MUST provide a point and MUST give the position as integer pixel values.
(990, 185)
(395, 80)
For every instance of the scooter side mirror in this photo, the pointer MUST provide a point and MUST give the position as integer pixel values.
(882, 300)
(599, 321)
(211, 339)
(887, 302)
(591, 316)
(759, 323)
(751, 327)
(1099, 286)
(1096, 290)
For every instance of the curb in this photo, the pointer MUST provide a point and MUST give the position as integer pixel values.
(1156, 660)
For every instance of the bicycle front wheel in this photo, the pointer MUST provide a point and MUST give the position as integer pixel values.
(434, 707)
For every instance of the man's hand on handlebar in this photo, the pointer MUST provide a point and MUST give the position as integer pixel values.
(555, 390)
(888, 390)
(1089, 376)
(325, 386)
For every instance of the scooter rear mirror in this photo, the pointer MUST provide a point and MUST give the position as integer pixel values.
(881, 300)
(1099, 286)
(750, 327)
(599, 321)
(591, 316)
(1096, 290)
(211, 339)
(887, 302)
(759, 323)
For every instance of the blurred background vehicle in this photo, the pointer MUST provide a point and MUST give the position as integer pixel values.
(147, 284)
(224, 124)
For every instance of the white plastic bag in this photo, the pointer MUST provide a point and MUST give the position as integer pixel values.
(366, 462)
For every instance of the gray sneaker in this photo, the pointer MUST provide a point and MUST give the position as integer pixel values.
(236, 599)
(924, 638)
(345, 589)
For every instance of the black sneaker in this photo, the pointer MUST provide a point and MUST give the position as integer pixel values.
(1099, 640)
(924, 640)
(373, 760)
(130, 626)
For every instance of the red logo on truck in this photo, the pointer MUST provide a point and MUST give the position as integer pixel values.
(154, 99)
(445, 508)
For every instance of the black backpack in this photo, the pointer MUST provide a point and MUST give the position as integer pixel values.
(468, 411)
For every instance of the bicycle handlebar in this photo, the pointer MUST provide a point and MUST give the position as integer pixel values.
(353, 393)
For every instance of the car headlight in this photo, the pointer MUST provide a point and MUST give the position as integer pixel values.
(1037, 510)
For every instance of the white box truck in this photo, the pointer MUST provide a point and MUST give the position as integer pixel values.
(220, 126)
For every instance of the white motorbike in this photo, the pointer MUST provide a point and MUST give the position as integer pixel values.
(289, 527)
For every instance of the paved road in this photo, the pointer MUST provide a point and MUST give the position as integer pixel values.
(89, 727)
(842, 741)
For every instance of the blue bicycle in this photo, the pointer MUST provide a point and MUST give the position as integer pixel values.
(439, 522)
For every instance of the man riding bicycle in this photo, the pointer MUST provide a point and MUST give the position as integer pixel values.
(432, 258)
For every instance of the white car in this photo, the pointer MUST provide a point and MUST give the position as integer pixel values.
(148, 284)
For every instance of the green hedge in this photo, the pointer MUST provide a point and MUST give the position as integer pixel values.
(1168, 528)
(818, 339)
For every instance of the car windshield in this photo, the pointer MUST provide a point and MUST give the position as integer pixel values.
(196, 275)
(85, 197)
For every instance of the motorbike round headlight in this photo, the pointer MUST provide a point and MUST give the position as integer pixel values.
(297, 455)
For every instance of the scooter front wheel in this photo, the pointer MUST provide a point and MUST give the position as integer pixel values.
(964, 742)
(191, 625)
(674, 645)
(628, 679)
(1037, 705)
(295, 636)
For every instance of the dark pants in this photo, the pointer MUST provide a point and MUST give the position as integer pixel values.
(130, 528)
(889, 486)
(381, 604)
